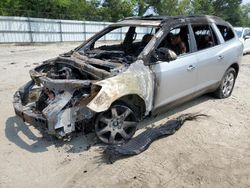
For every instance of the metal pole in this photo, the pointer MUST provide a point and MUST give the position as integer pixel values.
(84, 31)
(103, 28)
(30, 31)
(60, 27)
(121, 34)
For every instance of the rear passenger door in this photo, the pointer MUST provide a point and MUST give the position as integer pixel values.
(210, 57)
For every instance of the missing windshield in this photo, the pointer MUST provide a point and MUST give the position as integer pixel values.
(119, 44)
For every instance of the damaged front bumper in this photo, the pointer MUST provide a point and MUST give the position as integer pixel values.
(62, 113)
(28, 115)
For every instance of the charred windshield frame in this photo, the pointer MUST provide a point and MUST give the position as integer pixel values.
(86, 45)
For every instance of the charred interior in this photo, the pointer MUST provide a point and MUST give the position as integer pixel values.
(126, 50)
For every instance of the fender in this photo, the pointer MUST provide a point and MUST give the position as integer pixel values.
(137, 79)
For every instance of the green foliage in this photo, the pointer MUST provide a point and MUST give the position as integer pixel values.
(113, 10)
(173, 8)
(246, 15)
(200, 7)
(229, 10)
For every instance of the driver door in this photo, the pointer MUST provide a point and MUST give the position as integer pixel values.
(176, 79)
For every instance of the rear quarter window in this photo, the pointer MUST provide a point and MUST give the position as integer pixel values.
(226, 32)
(247, 32)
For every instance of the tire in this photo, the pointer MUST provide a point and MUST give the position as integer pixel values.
(117, 125)
(227, 84)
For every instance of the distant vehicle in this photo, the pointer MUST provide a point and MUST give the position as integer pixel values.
(244, 35)
(160, 62)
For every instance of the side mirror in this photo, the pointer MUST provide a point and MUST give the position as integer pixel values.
(246, 37)
(164, 54)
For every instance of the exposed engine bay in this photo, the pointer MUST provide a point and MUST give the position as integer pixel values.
(61, 84)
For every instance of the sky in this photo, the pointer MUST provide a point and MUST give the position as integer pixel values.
(245, 1)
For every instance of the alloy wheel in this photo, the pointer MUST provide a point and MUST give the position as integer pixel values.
(117, 125)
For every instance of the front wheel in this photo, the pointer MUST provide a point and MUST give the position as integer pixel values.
(116, 125)
(227, 84)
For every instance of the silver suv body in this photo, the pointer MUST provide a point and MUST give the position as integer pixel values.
(157, 63)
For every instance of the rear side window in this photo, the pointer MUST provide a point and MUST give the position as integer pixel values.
(204, 36)
(226, 32)
(239, 32)
(247, 32)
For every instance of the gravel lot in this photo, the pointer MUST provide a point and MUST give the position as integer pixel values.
(211, 152)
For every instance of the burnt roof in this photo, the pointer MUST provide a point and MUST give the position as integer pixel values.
(172, 17)
(193, 18)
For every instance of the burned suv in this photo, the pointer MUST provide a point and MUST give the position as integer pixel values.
(109, 85)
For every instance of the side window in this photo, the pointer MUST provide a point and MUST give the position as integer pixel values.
(204, 36)
(177, 40)
(226, 32)
(247, 32)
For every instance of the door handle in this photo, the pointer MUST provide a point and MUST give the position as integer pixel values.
(190, 68)
(220, 57)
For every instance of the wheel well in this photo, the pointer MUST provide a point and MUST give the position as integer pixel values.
(135, 102)
(236, 68)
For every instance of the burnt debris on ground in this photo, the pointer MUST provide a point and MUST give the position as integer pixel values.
(141, 142)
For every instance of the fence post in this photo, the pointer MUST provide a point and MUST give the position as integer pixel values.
(121, 33)
(29, 27)
(104, 25)
(60, 27)
(84, 31)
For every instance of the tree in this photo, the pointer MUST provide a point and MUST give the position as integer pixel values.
(8, 7)
(229, 10)
(202, 7)
(112, 10)
(246, 15)
(163, 7)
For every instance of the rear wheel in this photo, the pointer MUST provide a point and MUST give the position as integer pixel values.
(227, 84)
(116, 125)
